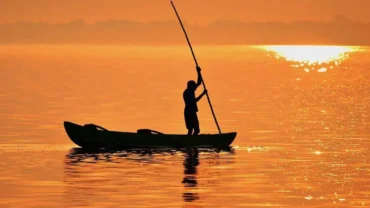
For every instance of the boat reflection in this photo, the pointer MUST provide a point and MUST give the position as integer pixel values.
(80, 155)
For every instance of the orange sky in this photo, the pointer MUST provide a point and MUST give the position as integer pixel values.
(194, 11)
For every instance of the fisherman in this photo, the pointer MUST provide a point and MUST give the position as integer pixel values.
(191, 108)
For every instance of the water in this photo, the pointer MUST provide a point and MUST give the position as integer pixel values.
(301, 113)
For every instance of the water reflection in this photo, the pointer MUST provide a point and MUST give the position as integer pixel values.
(138, 176)
(190, 171)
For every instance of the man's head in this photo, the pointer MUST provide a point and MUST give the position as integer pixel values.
(191, 85)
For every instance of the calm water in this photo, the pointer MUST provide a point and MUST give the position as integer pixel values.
(301, 113)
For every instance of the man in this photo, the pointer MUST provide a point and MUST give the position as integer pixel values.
(191, 108)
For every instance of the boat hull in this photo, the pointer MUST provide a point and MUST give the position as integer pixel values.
(88, 137)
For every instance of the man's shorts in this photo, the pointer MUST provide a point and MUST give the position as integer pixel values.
(191, 120)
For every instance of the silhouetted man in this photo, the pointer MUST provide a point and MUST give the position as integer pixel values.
(191, 108)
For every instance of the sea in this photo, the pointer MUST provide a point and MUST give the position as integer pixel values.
(301, 113)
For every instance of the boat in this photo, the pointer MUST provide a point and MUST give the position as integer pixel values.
(92, 136)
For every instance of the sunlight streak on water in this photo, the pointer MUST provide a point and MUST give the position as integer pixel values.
(312, 58)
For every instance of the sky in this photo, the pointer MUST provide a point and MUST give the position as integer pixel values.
(194, 10)
(204, 13)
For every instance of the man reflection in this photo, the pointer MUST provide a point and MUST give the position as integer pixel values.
(190, 170)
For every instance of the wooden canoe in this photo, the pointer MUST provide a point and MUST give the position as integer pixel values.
(92, 136)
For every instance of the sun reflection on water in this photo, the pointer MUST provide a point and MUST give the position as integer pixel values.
(311, 58)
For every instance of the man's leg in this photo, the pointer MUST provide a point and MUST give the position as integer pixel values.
(196, 131)
(190, 131)
(188, 123)
(196, 125)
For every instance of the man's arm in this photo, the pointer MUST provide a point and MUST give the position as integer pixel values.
(200, 96)
(199, 82)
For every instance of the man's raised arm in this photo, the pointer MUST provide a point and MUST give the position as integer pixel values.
(199, 82)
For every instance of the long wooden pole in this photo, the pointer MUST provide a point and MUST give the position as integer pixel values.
(196, 63)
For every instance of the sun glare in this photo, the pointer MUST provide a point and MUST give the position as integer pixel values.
(311, 58)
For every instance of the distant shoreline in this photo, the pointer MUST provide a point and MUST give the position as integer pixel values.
(339, 31)
(167, 45)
